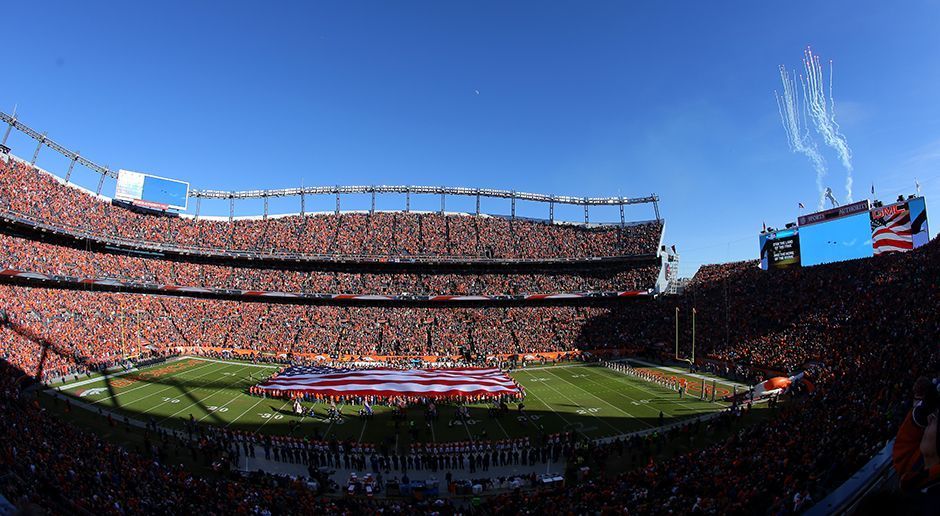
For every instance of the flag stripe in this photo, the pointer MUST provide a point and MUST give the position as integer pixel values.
(328, 381)
(365, 380)
(892, 234)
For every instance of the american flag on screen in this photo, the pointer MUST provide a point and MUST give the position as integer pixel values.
(892, 233)
(330, 381)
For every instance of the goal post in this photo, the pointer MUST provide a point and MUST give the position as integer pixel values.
(690, 360)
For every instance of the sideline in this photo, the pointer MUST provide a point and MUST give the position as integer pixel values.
(249, 364)
(80, 383)
(716, 379)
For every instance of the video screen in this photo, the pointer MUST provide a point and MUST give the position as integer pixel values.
(165, 191)
(899, 227)
(920, 234)
(780, 249)
(158, 191)
(846, 238)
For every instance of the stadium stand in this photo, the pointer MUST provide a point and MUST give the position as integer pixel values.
(48, 331)
(32, 256)
(863, 331)
(862, 364)
(28, 192)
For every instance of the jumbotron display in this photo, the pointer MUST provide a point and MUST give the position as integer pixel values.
(847, 232)
(899, 227)
(835, 235)
(151, 191)
(780, 249)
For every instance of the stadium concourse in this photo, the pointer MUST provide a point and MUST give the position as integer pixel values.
(861, 331)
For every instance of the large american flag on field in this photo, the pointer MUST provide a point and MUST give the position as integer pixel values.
(430, 383)
(892, 233)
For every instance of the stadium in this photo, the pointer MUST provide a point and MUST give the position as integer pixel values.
(167, 349)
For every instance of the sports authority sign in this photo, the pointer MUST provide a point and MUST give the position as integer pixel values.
(835, 213)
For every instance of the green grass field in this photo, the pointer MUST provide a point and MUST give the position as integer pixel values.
(586, 398)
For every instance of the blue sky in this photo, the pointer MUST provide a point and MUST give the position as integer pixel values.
(578, 98)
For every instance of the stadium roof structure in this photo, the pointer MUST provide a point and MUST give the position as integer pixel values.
(443, 191)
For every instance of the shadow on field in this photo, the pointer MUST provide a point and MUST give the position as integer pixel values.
(45, 348)
(595, 421)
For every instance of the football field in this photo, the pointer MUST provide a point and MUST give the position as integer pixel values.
(585, 398)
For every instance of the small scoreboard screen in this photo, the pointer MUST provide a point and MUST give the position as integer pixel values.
(780, 249)
(151, 191)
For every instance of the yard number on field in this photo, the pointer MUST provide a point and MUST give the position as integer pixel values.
(592, 410)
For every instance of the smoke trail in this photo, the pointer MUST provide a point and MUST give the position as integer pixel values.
(822, 111)
(796, 128)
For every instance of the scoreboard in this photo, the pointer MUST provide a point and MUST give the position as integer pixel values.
(151, 191)
(780, 249)
(837, 239)
(849, 232)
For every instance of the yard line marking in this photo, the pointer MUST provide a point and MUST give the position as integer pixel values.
(635, 382)
(147, 384)
(676, 370)
(272, 417)
(500, 425)
(197, 402)
(601, 399)
(331, 423)
(245, 412)
(237, 396)
(632, 384)
(131, 402)
(248, 364)
(722, 405)
(191, 393)
(364, 423)
(468, 430)
(549, 407)
(303, 413)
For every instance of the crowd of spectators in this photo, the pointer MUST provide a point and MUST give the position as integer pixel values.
(806, 314)
(863, 330)
(34, 256)
(50, 466)
(54, 332)
(871, 330)
(711, 274)
(25, 190)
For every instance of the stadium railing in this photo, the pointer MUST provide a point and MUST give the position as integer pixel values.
(27, 222)
(877, 473)
(106, 284)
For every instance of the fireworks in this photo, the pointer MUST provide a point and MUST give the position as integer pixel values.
(809, 105)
